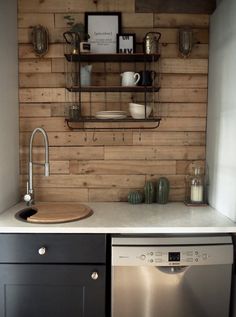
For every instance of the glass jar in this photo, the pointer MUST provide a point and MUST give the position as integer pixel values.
(197, 187)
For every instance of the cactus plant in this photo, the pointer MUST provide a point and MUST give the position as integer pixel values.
(149, 192)
(135, 197)
(163, 187)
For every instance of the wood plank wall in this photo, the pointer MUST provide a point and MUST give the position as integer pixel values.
(105, 166)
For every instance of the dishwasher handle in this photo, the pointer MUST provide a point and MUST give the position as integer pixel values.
(172, 269)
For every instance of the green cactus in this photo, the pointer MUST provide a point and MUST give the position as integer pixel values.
(149, 192)
(163, 188)
(135, 197)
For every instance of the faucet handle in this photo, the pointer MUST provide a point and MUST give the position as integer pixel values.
(27, 196)
(47, 169)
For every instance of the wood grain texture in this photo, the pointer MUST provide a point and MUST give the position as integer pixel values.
(176, 20)
(55, 6)
(122, 167)
(58, 213)
(28, 20)
(176, 6)
(106, 165)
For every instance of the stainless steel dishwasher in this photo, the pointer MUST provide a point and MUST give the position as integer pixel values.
(171, 276)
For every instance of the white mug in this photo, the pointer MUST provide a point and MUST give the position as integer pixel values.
(130, 78)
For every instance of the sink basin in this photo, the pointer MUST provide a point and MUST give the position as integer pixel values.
(54, 213)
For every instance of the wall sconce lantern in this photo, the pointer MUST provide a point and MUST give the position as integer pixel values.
(40, 40)
(186, 41)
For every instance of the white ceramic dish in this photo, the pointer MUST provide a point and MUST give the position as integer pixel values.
(137, 111)
(111, 114)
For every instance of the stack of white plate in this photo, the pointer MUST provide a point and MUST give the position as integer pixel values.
(111, 114)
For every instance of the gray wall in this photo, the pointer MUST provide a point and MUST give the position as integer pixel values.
(9, 135)
(221, 130)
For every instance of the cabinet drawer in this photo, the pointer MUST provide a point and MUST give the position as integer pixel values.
(54, 248)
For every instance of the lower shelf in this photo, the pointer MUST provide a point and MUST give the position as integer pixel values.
(122, 123)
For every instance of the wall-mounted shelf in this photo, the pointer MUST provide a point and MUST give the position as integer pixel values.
(76, 125)
(126, 58)
(113, 89)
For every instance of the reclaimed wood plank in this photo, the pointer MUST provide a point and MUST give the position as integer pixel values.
(65, 153)
(175, 6)
(49, 124)
(169, 138)
(56, 6)
(56, 167)
(106, 167)
(34, 110)
(181, 110)
(54, 51)
(80, 138)
(183, 81)
(87, 181)
(61, 194)
(176, 20)
(42, 80)
(35, 66)
(41, 95)
(155, 153)
(183, 95)
(200, 51)
(184, 66)
(183, 124)
(28, 20)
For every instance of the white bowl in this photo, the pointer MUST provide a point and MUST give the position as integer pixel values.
(137, 111)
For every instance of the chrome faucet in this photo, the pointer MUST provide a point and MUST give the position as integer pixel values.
(29, 196)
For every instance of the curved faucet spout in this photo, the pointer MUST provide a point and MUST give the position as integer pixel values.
(29, 197)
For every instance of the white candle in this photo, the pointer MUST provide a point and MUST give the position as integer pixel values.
(196, 193)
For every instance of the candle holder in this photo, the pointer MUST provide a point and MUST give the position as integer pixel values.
(195, 188)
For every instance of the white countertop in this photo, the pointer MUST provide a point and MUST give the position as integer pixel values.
(173, 218)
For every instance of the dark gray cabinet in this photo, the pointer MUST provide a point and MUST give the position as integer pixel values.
(67, 280)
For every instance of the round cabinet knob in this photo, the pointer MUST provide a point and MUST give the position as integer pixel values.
(42, 251)
(94, 275)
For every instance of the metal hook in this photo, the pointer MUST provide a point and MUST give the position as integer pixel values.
(85, 137)
(123, 136)
(140, 136)
(114, 137)
(94, 138)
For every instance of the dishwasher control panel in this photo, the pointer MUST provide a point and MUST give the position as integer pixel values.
(172, 255)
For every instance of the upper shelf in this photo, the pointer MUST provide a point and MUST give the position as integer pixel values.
(113, 89)
(128, 58)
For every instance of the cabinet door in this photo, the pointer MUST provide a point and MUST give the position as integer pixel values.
(33, 290)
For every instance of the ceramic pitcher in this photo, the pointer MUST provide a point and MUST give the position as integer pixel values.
(85, 75)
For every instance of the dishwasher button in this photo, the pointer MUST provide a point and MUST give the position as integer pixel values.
(158, 260)
(189, 260)
(196, 260)
(151, 261)
(190, 253)
(204, 256)
(143, 257)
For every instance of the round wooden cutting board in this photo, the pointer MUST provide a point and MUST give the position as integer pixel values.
(57, 213)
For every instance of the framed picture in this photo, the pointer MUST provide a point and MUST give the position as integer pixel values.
(126, 43)
(102, 28)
